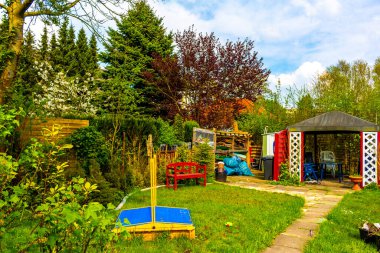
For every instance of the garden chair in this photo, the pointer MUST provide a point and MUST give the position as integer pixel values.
(309, 167)
(328, 158)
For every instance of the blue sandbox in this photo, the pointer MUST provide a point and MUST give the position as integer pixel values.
(139, 216)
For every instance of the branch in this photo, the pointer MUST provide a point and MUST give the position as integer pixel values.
(50, 12)
(26, 5)
(3, 7)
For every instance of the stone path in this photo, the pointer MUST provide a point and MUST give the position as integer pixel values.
(319, 201)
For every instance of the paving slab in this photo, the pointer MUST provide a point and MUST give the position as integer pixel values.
(281, 249)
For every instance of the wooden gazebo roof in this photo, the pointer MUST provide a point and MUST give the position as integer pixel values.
(334, 121)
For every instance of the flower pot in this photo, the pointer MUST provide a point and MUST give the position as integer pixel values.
(220, 176)
(356, 180)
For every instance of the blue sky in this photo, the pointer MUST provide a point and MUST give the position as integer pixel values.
(297, 38)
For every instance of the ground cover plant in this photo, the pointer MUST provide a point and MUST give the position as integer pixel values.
(340, 232)
(256, 217)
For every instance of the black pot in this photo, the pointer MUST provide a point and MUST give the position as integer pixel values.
(220, 176)
(368, 238)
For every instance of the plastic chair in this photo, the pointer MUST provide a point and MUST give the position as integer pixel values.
(309, 167)
(328, 157)
(309, 172)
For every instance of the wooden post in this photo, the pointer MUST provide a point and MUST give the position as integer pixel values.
(123, 156)
(248, 145)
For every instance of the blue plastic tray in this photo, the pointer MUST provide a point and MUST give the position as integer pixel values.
(139, 216)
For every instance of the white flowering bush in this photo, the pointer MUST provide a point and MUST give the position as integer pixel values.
(62, 95)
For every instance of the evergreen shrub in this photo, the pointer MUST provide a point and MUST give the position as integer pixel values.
(188, 129)
(89, 144)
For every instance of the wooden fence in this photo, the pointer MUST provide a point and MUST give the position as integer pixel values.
(34, 128)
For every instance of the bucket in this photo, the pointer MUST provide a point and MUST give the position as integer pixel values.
(220, 176)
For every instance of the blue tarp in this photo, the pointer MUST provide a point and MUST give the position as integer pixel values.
(235, 166)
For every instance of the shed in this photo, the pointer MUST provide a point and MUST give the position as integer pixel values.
(330, 122)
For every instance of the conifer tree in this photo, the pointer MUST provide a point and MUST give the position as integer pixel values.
(53, 50)
(140, 35)
(44, 45)
(92, 56)
(82, 58)
(26, 80)
(70, 63)
(62, 44)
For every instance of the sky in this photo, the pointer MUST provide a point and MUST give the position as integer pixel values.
(297, 39)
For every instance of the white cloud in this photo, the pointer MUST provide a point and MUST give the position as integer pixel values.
(301, 77)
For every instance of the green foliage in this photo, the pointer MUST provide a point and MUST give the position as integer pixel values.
(344, 220)
(39, 209)
(372, 187)
(5, 53)
(167, 133)
(44, 45)
(8, 121)
(118, 98)
(188, 129)
(90, 144)
(184, 153)
(268, 114)
(130, 48)
(204, 154)
(178, 126)
(287, 178)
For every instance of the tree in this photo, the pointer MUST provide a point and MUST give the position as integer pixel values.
(44, 45)
(69, 60)
(345, 87)
(168, 85)
(91, 12)
(216, 74)
(82, 53)
(130, 48)
(53, 50)
(93, 56)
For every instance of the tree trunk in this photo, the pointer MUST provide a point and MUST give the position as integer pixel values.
(16, 26)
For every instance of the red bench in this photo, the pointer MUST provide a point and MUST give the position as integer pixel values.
(185, 170)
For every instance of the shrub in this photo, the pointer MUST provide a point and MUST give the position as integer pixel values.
(41, 209)
(188, 129)
(286, 178)
(89, 144)
(203, 154)
(179, 128)
(184, 153)
(167, 133)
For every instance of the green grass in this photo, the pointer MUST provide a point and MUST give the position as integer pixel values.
(257, 218)
(340, 232)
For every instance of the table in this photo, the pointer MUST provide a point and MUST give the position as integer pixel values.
(323, 165)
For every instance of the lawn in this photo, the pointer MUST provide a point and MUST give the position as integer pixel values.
(257, 218)
(340, 233)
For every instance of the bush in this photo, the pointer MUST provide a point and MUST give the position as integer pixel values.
(89, 144)
(286, 178)
(203, 154)
(167, 133)
(184, 153)
(188, 130)
(178, 128)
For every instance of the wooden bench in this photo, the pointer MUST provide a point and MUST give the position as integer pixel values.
(185, 170)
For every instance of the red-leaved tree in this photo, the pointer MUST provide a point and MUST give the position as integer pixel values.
(211, 78)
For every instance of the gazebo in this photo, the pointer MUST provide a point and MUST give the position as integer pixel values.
(289, 143)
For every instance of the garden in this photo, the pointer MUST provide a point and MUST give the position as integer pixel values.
(60, 185)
